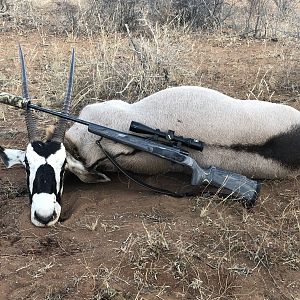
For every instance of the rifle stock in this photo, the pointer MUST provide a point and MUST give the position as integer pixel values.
(231, 183)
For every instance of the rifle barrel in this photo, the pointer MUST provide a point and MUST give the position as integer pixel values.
(58, 114)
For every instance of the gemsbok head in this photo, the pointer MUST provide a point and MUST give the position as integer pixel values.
(44, 161)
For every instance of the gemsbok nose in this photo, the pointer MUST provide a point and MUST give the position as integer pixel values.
(45, 220)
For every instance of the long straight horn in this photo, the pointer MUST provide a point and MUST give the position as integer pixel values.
(61, 128)
(29, 117)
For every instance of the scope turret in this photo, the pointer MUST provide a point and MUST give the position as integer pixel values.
(168, 135)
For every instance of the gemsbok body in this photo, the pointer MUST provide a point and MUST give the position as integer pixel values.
(255, 138)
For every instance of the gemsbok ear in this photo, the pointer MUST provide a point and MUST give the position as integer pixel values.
(11, 157)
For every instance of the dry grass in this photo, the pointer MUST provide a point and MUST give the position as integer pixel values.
(131, 64)
(252, 18)
(212, 256)
(108, 66)
(113, 66)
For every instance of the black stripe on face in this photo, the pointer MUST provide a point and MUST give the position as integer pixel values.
(62, 175)
(44, 181)
(45, 149)
(284, 148)
(27, 168)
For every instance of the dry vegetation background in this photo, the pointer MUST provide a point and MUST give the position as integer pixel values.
(117, 243)
(130, 49)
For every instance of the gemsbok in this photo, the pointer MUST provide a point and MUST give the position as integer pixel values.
(255, 138)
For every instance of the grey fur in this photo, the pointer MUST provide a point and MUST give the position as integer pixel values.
(220, 121)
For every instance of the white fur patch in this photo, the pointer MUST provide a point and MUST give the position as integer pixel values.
(45, 205)
(14, 157)
(34, 161)
(57, 160)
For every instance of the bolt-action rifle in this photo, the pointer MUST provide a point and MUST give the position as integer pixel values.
(239, 186)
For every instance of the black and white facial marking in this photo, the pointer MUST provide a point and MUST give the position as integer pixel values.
(45, 164)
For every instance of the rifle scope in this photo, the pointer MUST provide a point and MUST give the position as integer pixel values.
(169, 135)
